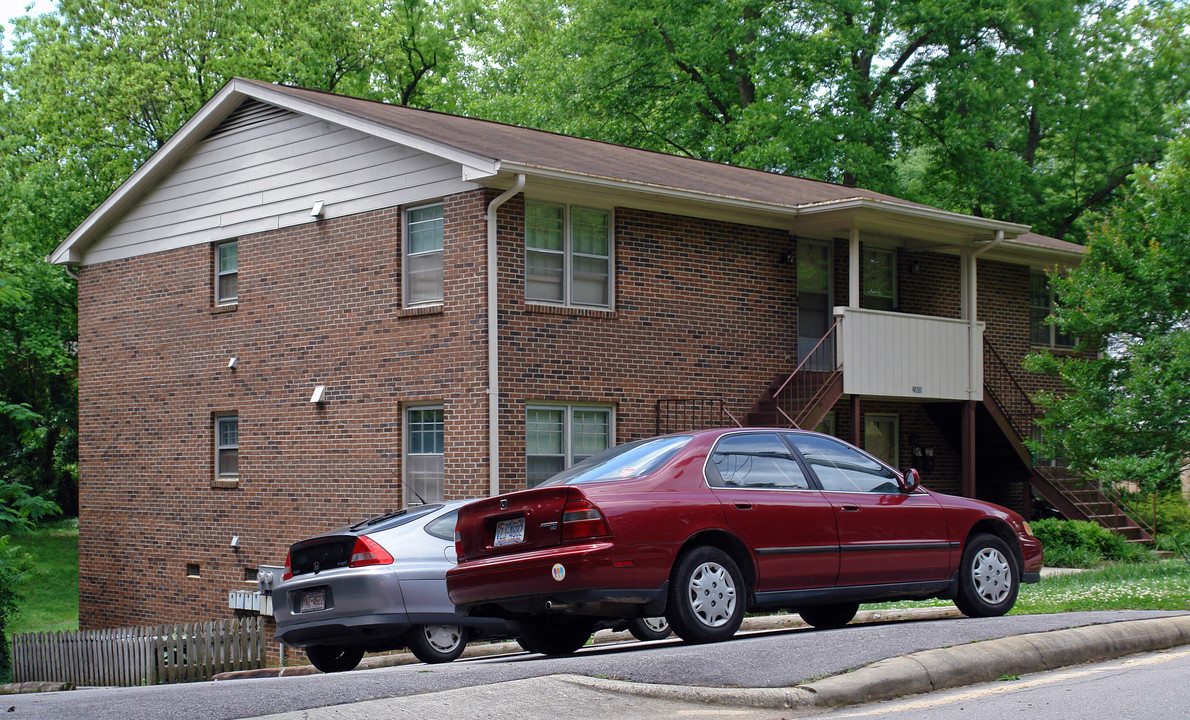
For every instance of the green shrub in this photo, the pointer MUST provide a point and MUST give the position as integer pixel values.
(1078, 543)
(1173, 515)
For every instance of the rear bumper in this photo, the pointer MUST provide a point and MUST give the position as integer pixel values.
(597, 578)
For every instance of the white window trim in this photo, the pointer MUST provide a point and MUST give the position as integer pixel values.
(895, 462)
(892, 265)
(219, 274)
(405, 255)
(217, 419)
(1051, 330)
(568, 427)
(568, 254)
(406, 496)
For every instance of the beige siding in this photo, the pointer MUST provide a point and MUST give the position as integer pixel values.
(268, 176)
(898, 355)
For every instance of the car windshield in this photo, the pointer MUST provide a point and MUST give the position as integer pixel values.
(623, 462)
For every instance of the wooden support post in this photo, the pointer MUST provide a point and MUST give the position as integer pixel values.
(855, 415)
(968, 429)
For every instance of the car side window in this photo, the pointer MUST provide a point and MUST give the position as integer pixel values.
(755, 460)
(444, 527)
(842, 468)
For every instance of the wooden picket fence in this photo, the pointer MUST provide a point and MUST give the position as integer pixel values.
(145, 655)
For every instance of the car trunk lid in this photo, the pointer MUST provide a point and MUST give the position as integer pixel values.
(321, 553)
(516, 522)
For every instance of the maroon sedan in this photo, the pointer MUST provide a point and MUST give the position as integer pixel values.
(704, 526)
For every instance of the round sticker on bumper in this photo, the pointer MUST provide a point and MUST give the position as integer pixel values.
(559, 572)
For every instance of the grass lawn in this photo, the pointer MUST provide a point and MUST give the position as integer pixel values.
(1161, 585)
(50, 596)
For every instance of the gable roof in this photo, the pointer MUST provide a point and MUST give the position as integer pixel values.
(485, 149)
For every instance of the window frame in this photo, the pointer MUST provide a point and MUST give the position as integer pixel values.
(406, 254)
(896, 423)
(892, 265)
(220, 274)
(568, 254)
(407, 497)
(217, 422)
(568, 410)
(1051, 331)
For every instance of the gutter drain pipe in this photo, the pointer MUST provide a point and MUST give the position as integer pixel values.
(494, 340)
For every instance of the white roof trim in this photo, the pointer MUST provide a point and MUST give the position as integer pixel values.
(208, 117)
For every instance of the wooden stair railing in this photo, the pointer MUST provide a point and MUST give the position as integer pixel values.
(1075, 497)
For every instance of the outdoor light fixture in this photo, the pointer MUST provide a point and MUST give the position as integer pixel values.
(317, 210)
(319, 395)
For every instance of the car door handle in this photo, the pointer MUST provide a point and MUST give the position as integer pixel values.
(851, 508)
(743, 506)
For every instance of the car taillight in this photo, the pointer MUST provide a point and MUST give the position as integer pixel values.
(581, 519)
(458, 545)
(288, 568)
(367, 552)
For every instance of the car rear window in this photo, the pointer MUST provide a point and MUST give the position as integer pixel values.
(623, 462)
(390, 520)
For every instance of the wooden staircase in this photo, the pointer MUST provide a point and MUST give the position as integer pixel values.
(1075, 497)
(803, 398)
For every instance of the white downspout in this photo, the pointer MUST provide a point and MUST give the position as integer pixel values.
(974, 391)
(494, 340)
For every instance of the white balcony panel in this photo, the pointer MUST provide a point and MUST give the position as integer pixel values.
(888, 354)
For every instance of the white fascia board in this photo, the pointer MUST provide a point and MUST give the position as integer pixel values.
(662, 190)
(213, 111)
(918, 212)
(474, 165)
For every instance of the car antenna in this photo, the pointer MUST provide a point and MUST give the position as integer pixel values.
(418, 496)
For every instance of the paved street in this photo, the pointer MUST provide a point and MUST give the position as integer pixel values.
(767, 659)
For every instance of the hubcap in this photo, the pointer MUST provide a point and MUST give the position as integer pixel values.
(443, 638)
(657, 624)
(712, 594)
(992, 575)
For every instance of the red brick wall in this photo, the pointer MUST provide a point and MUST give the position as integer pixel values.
(320, 304)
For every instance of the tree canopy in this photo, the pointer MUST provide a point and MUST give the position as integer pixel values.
(1126, 415)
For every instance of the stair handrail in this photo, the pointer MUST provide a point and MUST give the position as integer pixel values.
(1008, 385)
(817, 356)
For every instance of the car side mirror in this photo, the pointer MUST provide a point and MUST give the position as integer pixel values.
(909, 480)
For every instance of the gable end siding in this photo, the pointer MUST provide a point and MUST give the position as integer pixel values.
(262, 170)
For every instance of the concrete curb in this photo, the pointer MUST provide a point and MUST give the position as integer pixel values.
(766, 622)
(35, 686)
(931, 670)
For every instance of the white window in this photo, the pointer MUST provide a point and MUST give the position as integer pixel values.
(227, 273)
(423, 255)
(879, 277)
(1041, 306)
(568, 255)
(227, 447)
(424, 454)
(880, 438)
(558, 436)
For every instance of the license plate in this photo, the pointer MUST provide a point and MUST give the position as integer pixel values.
(510, 532)
(313, 600)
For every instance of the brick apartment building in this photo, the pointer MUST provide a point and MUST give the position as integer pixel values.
(287, 321)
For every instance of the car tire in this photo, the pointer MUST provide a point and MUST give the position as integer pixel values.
(827, 617)
(554, 635)
(650, 628)
(437, 643)
(707, 596)
(989, 578)
(334, 659)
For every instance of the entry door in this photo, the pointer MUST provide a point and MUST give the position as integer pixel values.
(885, 535)
(767, 498)
(814, 306)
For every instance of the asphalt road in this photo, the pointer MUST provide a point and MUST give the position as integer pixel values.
(775, 658)
(1151, 685)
